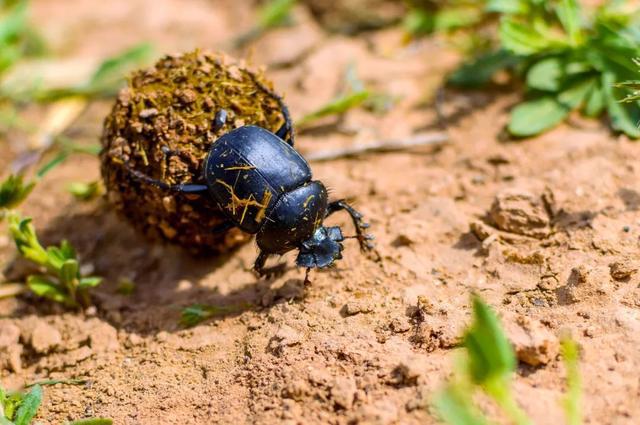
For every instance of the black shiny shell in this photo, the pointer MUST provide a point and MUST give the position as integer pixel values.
(248, 170)
(294, 218)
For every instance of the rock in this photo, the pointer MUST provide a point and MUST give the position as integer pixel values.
(285, 337)
(354, 307)
(296, 389)
(408, 372)
(534, 344)
(44, 337)
(621, 271)
(10, 357)
(103, 338)
(319, 376)
(521, 212)
(380, 413)
(343, 392)
(399, 325)
(134, 339)
(9, 334)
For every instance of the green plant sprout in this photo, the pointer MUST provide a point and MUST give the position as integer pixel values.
(425, 17)
(488, 365)
(273, 14)
(633, 86)
(355, 95)
(17, 38)
(568, 59)
(85, 191)
(198, 313)
(18, 408)
(61, 281)
(13, 191)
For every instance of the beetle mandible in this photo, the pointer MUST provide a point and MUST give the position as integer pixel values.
(265, 187)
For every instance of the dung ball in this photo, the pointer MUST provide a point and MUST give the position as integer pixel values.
(172, 105)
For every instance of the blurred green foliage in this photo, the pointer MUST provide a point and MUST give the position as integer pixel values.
(488, 365)
(17, 38)
(569, 59)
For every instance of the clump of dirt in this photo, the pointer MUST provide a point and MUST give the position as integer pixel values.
(172, 105)
(519, 211)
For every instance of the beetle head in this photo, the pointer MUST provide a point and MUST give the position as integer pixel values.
(321, 249)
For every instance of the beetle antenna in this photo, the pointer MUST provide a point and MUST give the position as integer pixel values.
(286, 132)
(180, 188)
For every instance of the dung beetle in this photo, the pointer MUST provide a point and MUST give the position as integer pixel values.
(264, 187)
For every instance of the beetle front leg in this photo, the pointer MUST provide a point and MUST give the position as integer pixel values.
(360, 225)
(262, 271)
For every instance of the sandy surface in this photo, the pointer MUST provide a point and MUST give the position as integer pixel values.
(546, 230)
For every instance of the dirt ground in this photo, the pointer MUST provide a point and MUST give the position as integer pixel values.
(546, 230)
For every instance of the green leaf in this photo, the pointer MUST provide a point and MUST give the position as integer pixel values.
(111, 72)
(14, 190)
(455, 407)
(572, 400)
(624, 117)
(69, 272)
(85, 191)
(42, 286)
(336, 107)
(481, 70)
(11, 403)
(546, 74)
(577, 93)
(491, 356)
(456, 17)
(535, 116)
(92, 421)
(508, 7)
(419, 21)
(523, 39)
(595, 102)
(25, 238)
(29, 406)
(197, 313)
(569, 15)
(89, 282)
(275, 13)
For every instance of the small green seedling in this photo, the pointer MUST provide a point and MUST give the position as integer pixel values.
(568, 59)
(198, 313)
(92, 421)
(272, 14)
(18, 408)
(355, 95)
(427, 17)
(106, 79)
(13, 190)
(85, 191)
(17, 37)
(61, 280)
(633, 86)
(488, 366)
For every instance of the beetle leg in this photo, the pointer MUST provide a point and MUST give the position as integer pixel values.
(180, 188)
(364, 239)
(286, 132)
(262, 271)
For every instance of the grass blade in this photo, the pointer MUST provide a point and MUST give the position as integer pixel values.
(572, 400)
(29, 406)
